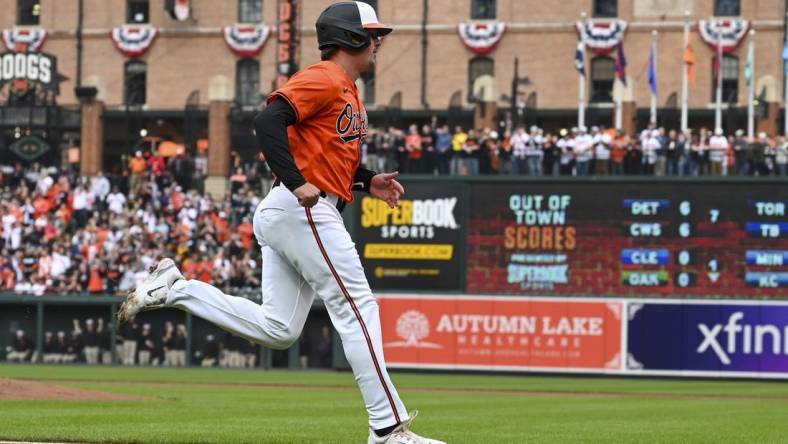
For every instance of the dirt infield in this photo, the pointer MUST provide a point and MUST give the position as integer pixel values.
(22, 390)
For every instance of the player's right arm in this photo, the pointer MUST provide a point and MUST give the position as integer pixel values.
(271, 129)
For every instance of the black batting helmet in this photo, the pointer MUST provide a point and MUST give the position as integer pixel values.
(345, 24)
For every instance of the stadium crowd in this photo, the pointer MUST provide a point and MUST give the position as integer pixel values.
(531, 151)
(64, 233)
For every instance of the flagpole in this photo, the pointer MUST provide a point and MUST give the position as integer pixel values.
(685, 77)
(581, 106)
(653, 118)
(718, 95)
(751, 92)
(619, 112)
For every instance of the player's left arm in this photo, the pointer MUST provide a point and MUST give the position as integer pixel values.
(384, 186)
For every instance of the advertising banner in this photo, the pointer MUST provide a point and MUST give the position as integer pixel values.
(502, 333)
(415, 246)
(719, 337)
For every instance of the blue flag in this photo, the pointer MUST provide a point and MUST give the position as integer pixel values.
(580, 58)
(785, 57)
(621, 64)
(652, 73)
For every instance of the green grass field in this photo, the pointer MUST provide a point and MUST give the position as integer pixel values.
(237, 406)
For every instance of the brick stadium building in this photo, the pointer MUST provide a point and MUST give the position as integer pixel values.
(191, 87)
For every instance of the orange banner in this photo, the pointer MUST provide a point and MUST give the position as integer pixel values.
(501, 333)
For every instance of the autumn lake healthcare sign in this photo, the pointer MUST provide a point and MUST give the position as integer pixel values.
(501, 333)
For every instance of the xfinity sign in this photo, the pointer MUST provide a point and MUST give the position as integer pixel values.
(35, 67)
(737, 338)
(723, 338)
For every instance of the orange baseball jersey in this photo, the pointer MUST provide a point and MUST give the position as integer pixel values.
(330, 124)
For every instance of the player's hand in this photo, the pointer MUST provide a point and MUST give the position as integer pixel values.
(307, 195)
(386, 188)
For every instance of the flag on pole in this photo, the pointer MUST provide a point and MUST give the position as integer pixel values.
(652, 73)
(749, 65)
(718, 61)
(621, 64)
(785, 57)
(580, 57)
(689, 60)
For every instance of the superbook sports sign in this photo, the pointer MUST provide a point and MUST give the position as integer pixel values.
(35, 67)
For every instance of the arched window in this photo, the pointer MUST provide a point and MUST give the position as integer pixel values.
(250, 11)
(28, 12)
(482, 9)
(134, 78)
(137, 11)
(727, 8)
(606, 8)
(603, 73)
(247, 82)
(477, 67)
(730, 80)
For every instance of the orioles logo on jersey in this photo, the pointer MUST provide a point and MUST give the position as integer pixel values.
(350, 125)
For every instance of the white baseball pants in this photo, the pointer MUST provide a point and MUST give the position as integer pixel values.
(306, 252)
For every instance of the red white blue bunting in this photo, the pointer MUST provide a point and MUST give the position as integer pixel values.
(31, 39)
(481, 37)
(731, 31)
(133, 40)
(246, 40)
(602, 37)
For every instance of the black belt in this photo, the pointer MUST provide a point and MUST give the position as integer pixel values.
(340, 205)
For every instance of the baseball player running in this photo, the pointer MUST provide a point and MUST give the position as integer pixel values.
(310, 134)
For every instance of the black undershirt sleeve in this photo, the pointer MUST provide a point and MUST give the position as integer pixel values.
(270, 127)
(362, 179)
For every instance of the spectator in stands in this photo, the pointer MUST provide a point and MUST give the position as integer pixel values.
(411, 161)
(469, 155)
(660, 167)
(741, 154)
(718, 146)
(457, 143)
(602, 143)
(781, 157)
(519, 150)
(21, 349)
(505, 154)
(137, 167)
(369, 150)
(443, 150)
(167, 344)
(584, 152)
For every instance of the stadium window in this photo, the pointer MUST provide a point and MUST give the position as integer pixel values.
(250, 11)
(603, 73)
(247, 82)
(727, 8)
(477, 67)
(134, 78)
(28, 12)
(137, 11)
(368, 79)
(606, 8)
(730, 80)
(482, 9)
